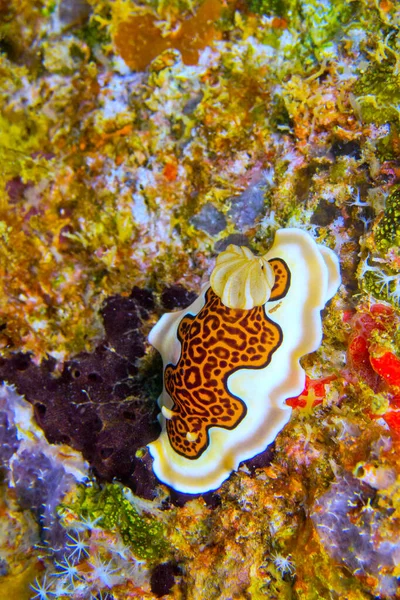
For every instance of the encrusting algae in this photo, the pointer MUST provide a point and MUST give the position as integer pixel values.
(128, 164)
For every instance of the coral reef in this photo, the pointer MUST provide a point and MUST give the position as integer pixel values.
(128, 162)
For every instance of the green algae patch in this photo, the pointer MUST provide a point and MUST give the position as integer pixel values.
(324, 21)
(272, 7)
(378, 92)
(387, 234)
(383, 286)
(318, 22)
(108, 507)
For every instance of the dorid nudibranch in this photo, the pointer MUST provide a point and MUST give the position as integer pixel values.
(232, 358)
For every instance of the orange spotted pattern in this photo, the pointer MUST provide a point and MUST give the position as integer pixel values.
(214, 344)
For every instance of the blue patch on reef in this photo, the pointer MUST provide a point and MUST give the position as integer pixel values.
(349, 522)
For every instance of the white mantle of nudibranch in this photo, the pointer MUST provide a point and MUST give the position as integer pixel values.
(315, 278)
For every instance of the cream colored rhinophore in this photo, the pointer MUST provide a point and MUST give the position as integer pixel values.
(241, 279)
(232, 358)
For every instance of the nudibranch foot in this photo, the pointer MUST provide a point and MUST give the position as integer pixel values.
(232, 358)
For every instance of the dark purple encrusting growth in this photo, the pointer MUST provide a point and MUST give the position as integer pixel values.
(74, 12)
(325, 213)
(261, 460)
(176, 296)
(351, 148)
(163, 578)
(16, 188)
(101, 403)
(239, 239)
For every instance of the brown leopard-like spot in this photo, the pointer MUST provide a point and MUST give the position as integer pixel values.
(214, 344)
(282, 279)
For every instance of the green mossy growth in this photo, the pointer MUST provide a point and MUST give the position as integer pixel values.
(49, 9)
(378, 92)
(324, 20)
(375, 285)
(387, 234)
(94, 34)
(279, 115)
(387, 146)
(112, 510)
(151, 370)
(279, 8)
(320, 20)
